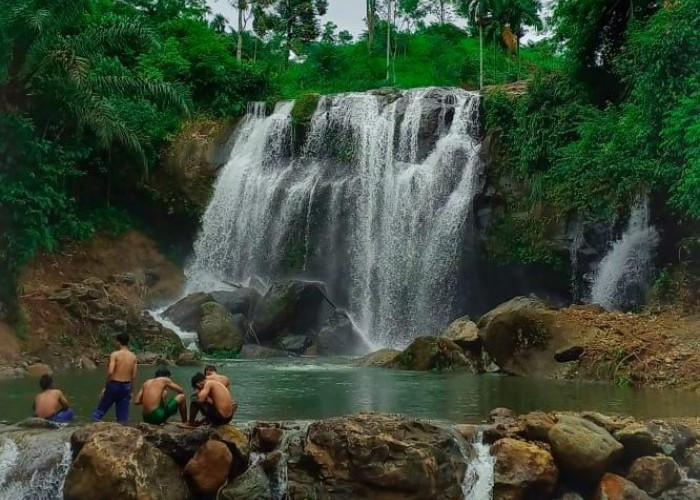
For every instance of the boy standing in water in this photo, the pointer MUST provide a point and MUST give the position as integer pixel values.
(121, 374)
(152, 396)
(51, 404)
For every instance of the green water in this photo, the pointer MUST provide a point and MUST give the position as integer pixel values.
(293, 389)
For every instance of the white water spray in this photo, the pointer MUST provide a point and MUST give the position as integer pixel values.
(479, 478)
(624, 273)
(378, 206)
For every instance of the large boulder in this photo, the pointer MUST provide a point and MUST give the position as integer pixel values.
(465, 334)
(254, 351)
(522, 470)
(654, 474)
(375, 457)
(522, 336)
(655, 437)
(209, 468)
(178, 443)
(187, 313)
(115, 461)
(434, 353)
(338, 336)
(219, 330)
(536, 425)
(582, 449)
(239, 301)
(382, 358)
(613, 487)
(293, 307)
(253, 484)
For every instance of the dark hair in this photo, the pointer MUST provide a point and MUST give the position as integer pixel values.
(162, 371)
(46, 381)
(197, 378)
(209, 368)
(123, 338)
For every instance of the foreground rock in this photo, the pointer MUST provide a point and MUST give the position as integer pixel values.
(209, 468)
(613, 487)
(117, 462)
(434, 353)
(654, 474)
(522, 470)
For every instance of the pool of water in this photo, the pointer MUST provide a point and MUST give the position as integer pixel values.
(291, 389)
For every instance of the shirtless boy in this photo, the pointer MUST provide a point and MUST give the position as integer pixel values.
(152, 397)
(120, 376)
(212, 374)
(213, 400)
(51, 404)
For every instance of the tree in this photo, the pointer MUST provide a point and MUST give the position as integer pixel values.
(412, 12)
(479, 14)
(370, 19)
(328, 35)
(218, 23)
(297, 20)
(244, 9)
(512, 17)
(345, 37)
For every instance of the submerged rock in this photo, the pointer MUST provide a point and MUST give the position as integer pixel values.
(433, 353)
(117, 462)
(583, 449)
(522, 471)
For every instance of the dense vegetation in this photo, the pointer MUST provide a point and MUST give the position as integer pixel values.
(91, 91)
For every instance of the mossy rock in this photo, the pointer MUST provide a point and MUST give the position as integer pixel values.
(433, 354)
(304, 108)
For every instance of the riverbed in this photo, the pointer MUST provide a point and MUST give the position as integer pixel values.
(315, 388)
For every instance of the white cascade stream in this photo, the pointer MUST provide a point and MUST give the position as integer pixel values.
(377, 204)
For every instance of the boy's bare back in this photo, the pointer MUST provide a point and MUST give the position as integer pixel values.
(49, 402)
(122, 366)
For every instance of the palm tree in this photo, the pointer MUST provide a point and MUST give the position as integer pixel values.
(53, 62)
(478, 12)
(517, 15)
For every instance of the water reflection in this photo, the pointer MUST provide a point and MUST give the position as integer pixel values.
(311, 389)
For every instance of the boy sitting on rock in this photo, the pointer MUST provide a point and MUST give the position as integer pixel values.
(51, 404)
(153, 398)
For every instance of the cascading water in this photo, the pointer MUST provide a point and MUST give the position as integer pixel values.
(377, 204)
(623, 275)
(34, 466)
(479, 478)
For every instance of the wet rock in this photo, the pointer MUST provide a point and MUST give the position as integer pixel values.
(178, 443)
(498, 415)
(613, 487)
(655, 437)
(381, 358)
(271, 461)
(295, 343)
(373, 457)
(291, 306)
(38, 369)
(218, 330)
(583, 449)
(522, 470)
(465, 334)
(339, 337)
(208, 469)
(467, 431)
(433, 353)
(251, 485)
(237, 442)
(267, 438)
(117, 462)
(691, 460)
(239, 301)
(610, 424)
(568, 354)
(253, 351)
(188, 358)
(686, 491)
(654, 474)
(187, 313)
(536, 425)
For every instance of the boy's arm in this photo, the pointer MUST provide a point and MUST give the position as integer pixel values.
(112, 366)
(204, 393)
(63, 400)
(172, 385)
(133, 373)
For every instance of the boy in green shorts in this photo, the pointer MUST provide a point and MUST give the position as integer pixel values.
(153, 398)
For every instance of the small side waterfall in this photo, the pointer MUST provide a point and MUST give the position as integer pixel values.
(378, 205)
(34, 466)
(624, 274)
(478, 480)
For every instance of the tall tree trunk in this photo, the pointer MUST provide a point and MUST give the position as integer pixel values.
(239, 44)
(495, 77)
(388, 40)
(442, 12)
(481, 55)
(517, 53)
(371, 17)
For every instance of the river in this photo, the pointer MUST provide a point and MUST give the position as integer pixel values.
(301, 388)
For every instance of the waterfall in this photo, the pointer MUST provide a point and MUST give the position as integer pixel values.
(478, 480)
(34, 466)
(377, 203)
(622, 277)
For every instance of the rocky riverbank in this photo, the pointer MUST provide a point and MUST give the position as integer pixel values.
(543, 456)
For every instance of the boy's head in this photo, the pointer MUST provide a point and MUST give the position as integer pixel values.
(122, 339)
(46, 382)
(162, 371)
(198, 380)
(209, 370)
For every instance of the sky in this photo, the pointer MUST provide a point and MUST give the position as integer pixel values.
(347, 14)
